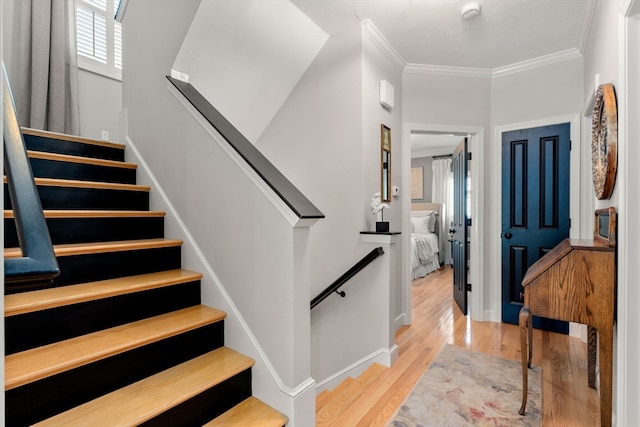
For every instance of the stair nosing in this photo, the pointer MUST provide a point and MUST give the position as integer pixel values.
(200, 374)
(42, 362)
(70, 249)
(68, 158)
(61, 213)
(243, 408)
(44, 299)
(72, 138)
(55, 182)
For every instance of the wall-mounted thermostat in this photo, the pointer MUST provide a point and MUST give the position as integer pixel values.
(386, 94)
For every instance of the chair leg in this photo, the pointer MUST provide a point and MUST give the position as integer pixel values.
(525, 354)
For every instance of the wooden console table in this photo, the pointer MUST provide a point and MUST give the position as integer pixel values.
(574, 282)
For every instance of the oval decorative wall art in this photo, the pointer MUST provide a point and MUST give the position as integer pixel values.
(604, 141)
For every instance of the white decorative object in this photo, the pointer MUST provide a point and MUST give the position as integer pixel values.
(470, 10)
(377, 207)
(386, 94)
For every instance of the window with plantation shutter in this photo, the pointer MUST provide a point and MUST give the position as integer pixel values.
(99, 37)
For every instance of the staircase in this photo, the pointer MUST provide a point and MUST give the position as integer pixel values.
(120, 338)
(335, 407)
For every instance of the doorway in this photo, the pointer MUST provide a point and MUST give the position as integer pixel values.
(476, 201)
(578, 190)
(535, 207)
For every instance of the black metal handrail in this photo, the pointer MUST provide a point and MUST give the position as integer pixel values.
(38, 264)
(346, 276)
(289, 194)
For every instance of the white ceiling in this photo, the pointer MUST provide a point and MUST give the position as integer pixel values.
(432, 32)
(505, 34)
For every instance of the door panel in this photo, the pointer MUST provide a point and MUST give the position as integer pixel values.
(535, 212)
(458, 229)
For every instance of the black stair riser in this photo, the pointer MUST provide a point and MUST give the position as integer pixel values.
(34, 402)
(93, 229)
(207, 405)
(91, 267)
(44, 168)
(50, 145)
(31, 330)
(88, 198)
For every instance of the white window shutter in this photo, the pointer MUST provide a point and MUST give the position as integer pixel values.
(99, 37)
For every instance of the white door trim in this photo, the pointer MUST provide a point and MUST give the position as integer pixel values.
(627, 345)
(476, 269)
(495, 225)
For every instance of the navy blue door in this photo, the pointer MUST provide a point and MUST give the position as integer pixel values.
(535, 208)
(458, 230)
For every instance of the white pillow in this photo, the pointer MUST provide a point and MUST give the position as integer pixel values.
(423, 213)
(424, 225)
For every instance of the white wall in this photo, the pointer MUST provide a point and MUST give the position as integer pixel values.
(379, 63)
(246, 57)
(100, 105)
(457, 101)
(543, 92)
(326, 139)
(603, 56)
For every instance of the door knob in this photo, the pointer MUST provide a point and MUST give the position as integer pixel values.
(507, 235)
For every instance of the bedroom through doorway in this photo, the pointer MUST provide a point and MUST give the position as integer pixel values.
(429, 182)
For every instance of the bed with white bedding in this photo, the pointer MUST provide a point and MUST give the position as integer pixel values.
(425, 242)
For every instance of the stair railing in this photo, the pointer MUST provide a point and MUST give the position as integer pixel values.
(288, 193)
(335, 286)
(38, 264)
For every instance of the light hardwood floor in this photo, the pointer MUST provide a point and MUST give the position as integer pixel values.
(567, 399)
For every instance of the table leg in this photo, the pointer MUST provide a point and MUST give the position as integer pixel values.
(592, 350)
(525, 354)
(606, 371)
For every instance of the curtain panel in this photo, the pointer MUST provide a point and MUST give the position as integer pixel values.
(442, 192)
(48, 80)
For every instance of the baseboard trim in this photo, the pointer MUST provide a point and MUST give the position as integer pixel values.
(383, 356)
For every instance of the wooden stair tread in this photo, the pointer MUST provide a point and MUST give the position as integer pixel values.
(29, 302)
(322, 398)
(52, 213)
(141, 401)
(344, 396)
(250, 412)
(345, 384)
(75, 183)
(70, 249)
(72, 138)
(42, 362)
(43, 155)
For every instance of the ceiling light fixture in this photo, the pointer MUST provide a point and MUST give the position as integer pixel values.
(470, 10)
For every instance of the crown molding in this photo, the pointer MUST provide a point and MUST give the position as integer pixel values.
(441, 70)
(487, 73)
(540, 61)
(585, 26)
(383, 44)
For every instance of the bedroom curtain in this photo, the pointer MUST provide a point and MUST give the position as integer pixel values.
(442, 192)
(48, 88)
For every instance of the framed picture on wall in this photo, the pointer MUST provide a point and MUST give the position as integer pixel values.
(417, 183)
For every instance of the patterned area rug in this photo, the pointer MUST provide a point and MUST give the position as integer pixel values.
(467, 388)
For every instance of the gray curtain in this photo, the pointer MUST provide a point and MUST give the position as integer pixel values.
(442, 192)
(48, 88)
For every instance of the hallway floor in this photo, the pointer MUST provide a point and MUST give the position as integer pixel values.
(567, 399)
